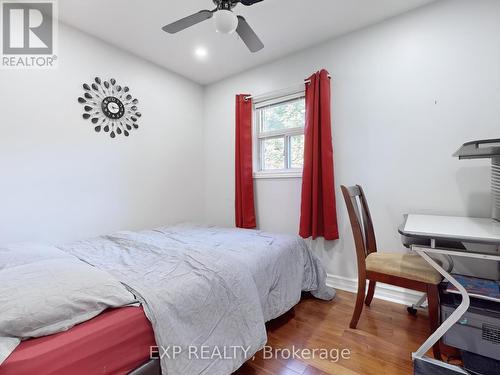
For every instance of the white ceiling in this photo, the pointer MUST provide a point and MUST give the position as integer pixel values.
(284, 26)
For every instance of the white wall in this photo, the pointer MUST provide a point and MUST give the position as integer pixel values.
(406, 94)
(59, 180)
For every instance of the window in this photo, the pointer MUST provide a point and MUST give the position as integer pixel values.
(279, 136)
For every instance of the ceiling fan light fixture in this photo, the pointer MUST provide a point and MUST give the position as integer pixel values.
(226, 21)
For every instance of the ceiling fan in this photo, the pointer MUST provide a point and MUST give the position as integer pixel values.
(226, 22)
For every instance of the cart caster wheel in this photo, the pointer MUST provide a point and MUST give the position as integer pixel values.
(411, 310)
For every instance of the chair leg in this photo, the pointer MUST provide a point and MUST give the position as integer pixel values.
(371, 292)
(359, 303)
(433, 301)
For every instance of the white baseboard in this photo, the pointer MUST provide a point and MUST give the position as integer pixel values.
(382, 291)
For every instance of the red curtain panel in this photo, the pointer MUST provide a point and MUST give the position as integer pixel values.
(245, 210)
(318, 214)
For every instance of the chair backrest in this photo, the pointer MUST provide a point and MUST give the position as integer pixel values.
(361, 222)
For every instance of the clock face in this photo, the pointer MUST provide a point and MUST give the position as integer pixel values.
(110, 107)
(113, 108)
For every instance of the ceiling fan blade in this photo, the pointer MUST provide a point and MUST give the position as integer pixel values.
(188, 21)
(250, 2)
(248, 36)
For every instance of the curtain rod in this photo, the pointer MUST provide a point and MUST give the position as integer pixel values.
(306, 82)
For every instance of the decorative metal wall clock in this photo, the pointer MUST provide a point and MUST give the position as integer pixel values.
(110, 107)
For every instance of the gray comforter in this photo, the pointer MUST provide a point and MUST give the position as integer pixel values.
(208, 291)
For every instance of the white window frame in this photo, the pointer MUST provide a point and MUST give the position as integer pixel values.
(284, 133)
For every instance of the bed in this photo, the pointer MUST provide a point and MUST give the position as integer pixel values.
(199, 286)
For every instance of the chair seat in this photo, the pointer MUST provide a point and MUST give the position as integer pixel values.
(408, 266)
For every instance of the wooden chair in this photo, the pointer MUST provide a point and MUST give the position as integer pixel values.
(404, 270)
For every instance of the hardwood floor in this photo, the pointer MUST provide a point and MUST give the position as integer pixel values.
(382, 344)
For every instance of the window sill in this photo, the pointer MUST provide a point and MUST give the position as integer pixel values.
(277, 174)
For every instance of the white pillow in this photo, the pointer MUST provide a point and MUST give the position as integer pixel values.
(50, 296)
(24, 253)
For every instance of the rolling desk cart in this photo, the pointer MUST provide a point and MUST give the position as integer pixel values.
(427, 232)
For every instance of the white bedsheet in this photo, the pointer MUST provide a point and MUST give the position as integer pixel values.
(209, 287)
(282, 266)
